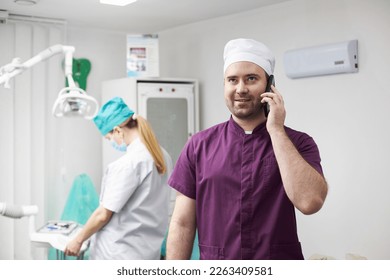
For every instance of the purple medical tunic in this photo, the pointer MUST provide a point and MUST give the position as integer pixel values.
(242, 209)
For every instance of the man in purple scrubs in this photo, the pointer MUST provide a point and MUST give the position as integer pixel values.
(239, 182)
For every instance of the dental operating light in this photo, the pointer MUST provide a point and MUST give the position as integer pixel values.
(71, 100)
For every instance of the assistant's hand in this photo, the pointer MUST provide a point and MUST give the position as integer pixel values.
(277, 114)
(73, 248)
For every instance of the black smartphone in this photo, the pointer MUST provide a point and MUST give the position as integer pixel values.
(271, 81)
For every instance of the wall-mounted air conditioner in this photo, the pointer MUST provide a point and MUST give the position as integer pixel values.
(322, 60)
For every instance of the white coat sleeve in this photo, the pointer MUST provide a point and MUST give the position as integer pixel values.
(122, 181)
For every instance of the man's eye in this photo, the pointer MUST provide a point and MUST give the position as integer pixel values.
(231, 80)
(252, 78)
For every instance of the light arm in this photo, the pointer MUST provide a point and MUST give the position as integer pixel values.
(17, 211)
(20, 211)
(71, 101)
(14, 68)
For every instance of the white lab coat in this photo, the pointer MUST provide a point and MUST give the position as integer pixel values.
(139, 197)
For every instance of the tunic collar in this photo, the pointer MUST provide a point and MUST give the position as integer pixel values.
(133, 144)
(260, 129)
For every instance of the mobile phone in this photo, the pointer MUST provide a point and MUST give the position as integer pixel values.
(271, 81)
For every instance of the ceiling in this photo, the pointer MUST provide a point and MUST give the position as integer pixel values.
(144, 16)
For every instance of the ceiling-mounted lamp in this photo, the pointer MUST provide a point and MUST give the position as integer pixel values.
(26, 2)
(72, 100)
(117, 2)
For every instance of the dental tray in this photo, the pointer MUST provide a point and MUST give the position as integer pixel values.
(62, 227)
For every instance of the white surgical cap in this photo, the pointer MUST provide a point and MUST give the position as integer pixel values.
(249, 50)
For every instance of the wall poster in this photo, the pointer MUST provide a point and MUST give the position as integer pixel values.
(142, 55)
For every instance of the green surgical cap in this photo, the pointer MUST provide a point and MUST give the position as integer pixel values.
(112, 114)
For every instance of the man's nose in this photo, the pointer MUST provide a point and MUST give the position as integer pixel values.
(241, 88)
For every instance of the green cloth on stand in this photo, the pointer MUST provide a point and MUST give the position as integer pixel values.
(81, 203)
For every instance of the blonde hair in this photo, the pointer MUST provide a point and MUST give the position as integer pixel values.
(150, 141)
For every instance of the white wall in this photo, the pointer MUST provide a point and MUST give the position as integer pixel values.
(347, 114)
